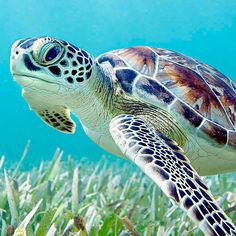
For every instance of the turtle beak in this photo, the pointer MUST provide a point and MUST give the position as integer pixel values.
(15, 59)
(17, 65)
(15, 51)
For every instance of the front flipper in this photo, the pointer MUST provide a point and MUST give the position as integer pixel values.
(163, 161)
(57, 117)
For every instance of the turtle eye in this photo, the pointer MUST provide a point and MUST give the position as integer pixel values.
(52, 53)
(48, 53)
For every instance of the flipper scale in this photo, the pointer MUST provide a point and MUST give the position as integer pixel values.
(165, 163)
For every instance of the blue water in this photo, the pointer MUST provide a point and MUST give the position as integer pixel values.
(205, 30)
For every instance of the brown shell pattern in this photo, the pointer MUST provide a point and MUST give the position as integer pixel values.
(203, 91)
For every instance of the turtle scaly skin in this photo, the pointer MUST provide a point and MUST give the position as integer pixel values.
(172, 115)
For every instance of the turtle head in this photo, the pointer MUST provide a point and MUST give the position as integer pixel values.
(50, 72)
(43, 61)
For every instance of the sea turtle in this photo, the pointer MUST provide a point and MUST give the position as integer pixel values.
(173, 116)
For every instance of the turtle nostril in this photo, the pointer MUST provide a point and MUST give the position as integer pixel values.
(17, 52)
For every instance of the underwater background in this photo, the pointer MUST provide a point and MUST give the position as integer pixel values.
(205, 30)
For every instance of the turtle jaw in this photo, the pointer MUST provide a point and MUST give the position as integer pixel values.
(43, 82)
(35, 84)
(23, 81)
(30, 81)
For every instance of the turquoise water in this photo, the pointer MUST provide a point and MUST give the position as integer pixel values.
(205, 30)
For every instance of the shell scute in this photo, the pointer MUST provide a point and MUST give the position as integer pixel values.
(126, 78)
(217, 75)
(222, 89)
(215, 88)
(152, 87)
(175, 57)
(233, 85)
(232, 138)
(191, 88)
(190, 114)
(114, 60)
(141, 59)
(215, 131)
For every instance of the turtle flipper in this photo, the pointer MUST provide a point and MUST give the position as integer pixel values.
(58, 118)
(163, 161)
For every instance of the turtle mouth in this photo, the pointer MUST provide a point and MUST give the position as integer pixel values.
(26, 80)
(29, 82)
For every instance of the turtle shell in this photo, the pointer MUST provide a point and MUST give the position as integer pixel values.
(201, 94)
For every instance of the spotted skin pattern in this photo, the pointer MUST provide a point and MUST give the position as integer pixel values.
(198, 92)
(163, 161)
(74, 66)
(58, 119)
